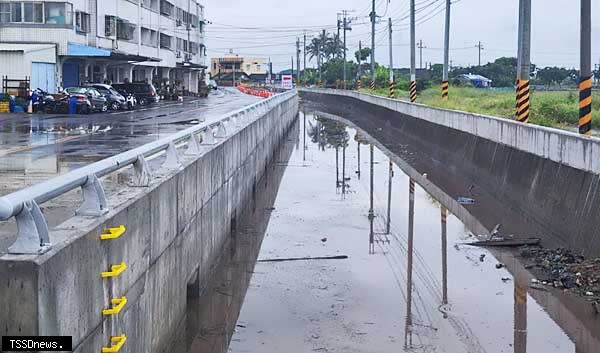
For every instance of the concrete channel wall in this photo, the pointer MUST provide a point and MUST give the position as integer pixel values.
(548, 178)
(176, 229)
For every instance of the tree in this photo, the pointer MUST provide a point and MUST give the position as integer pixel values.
(553, 75)
(363, 54)
(326, 46)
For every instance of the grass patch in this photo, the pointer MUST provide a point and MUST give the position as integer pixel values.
(554, 109)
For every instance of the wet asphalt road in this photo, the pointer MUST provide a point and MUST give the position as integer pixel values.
(36, 147)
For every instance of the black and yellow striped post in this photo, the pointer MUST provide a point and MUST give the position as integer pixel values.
(522, 105)
(413, 91)
(585, 106)
(445, 89)
(392, 89)
(358, 85)
(373, 85)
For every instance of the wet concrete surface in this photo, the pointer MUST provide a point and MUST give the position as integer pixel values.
(415, 288)
(36, 147)
(39, 147)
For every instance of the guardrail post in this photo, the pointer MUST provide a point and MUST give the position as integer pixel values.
(172, 160)
(142, 173)
(208, 137)
(94, 199)
(221, 130)
(193, 147)
(32, 234)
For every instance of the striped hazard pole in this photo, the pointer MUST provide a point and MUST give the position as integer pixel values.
(523, 101)
(372, 84)
(585, 106)
(445, 88)
(585, 81)
(413, 91)
(393, 89)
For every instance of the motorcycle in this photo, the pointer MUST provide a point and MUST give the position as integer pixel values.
(43, 101)
(130, 100)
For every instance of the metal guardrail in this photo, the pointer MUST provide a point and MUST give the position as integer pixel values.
(33, 234)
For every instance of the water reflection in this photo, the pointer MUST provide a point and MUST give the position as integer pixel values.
(421, 283)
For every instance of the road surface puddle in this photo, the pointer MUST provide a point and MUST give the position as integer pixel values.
(408, 284)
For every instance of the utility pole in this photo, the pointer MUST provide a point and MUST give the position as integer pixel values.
(337, 38)
(358, 83)
(524, 61)
(392, 83)
(373, 19)
(346, 28)
(445, 83)
(298, 61)
(480, 47)
(585, 67)
(270, 71)
(304, 75)
(420, 46)
(413, 70)
(292, 68)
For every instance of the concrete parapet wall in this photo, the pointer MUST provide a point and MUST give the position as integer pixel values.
(546, 181)
(176, 229)
(560, 146)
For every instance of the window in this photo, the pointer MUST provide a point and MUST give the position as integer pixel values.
(125, 29)
(82, 22)
(165, 41)
(110, 26)
(166, 8)
(4, 12)
(59, 13)
(16, 12)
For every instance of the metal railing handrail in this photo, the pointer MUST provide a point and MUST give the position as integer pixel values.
(12, 204)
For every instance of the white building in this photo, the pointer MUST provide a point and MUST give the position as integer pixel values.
(65, 43)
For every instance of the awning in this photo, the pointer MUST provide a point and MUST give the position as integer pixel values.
(25, 47)
(74, 49)
(80, 50)
(188, 65)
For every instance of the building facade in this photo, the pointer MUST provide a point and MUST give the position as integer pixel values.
(66, 43)
(227, 63)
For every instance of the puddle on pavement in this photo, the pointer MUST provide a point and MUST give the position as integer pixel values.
(440, 297)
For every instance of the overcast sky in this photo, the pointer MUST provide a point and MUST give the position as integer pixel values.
(268, 28)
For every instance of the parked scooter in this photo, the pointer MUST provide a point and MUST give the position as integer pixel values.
(43, 101)
(130, 100)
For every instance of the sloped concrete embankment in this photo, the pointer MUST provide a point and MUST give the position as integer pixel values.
(176, 229)
(546, 180)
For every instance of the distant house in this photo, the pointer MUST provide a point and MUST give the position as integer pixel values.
(475, 80)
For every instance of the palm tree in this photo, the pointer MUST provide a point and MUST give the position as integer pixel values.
(325, 47)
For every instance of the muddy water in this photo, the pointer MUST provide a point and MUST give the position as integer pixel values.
(408, 284)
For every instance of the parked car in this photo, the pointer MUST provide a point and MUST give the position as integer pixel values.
(145, 93)
(88, 99)
(213, 84)
(115, 100)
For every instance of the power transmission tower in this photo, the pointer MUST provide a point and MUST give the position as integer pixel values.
(479, 46)
(445, 83)
(585, 68)
(420, 46)
(413, 69)
(373, 19)
(524, 61)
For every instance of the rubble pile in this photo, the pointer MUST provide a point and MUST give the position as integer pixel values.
(566, 270)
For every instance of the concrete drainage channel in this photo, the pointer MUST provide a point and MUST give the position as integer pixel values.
(116, 274)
